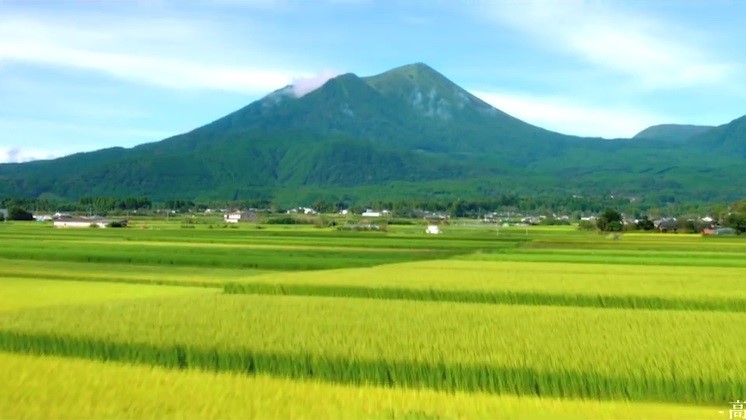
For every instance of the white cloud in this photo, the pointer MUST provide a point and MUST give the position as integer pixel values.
(565, 116)
(652, 53)
(304, 85)
(17, 155)
(168, 53)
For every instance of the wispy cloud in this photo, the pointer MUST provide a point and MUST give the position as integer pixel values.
(18, 155)
(566, 116)
(168, 53)
(304, 85)
(652, 53)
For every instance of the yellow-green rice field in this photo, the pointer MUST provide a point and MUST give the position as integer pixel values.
(317, 323)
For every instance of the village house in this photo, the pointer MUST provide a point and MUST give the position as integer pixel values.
(4, 214)
(86, 222)
(666, 225)
(431, 215)
(43, 217)
(375, 213)
(239, 217)
(302, 210)
(371, 213)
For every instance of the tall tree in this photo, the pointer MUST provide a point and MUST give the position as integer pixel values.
(610, 220)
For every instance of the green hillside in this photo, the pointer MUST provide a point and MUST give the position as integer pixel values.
(671, 132)
(728, 139)
(409, 132)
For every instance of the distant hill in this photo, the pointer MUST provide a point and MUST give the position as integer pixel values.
(728, 139)
(406, 133)
(671, 132)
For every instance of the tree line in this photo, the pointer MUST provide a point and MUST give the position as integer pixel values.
(733, 215)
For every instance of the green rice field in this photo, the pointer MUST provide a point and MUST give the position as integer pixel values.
(302, 322)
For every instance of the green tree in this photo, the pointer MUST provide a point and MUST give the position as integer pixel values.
(737, 217)
(18, 213)
(610, 220)
(737, 221)
(645, 224)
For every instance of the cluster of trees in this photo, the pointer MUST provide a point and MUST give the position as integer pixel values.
(737, 217)
(609, 217)
(84, 205)
(473, 208)
(17, 213)
(112, 203)
(610, 220)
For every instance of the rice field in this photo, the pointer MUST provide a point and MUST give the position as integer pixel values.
(40, 387)
(539, 283)
(23, 293)
(307, 322)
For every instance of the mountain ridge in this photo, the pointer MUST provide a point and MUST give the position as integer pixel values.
(672, 132)
(407, 126)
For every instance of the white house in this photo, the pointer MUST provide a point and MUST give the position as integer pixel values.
(433, 230)
(238, 216)
(373, 213)
(344, 212)
(80, 223)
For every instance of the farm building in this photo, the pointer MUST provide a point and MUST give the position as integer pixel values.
(371, 213)
(433, 230)
(100, 222)
(666, 225)
(4, 214)
(239, 217)
(80, 223)
(375, 213)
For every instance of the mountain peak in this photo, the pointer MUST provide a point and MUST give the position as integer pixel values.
(415, 73)
(427, 91)
(413, 68)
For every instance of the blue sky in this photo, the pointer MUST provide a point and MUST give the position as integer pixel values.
(85, 75)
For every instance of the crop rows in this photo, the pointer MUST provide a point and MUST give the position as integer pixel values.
(54, 387)
(618, 256)
(565, 352)
(584, 285)
(208, 256)
(22, 293)
(494, 297)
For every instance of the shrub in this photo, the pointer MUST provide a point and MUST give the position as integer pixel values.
(587, 225)
(287, 220)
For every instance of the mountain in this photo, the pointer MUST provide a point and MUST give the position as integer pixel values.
(671, 132)
(406, 133)
(728, 139)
